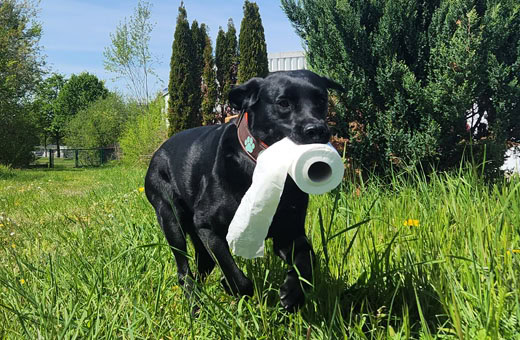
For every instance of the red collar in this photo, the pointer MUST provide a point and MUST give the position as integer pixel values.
(248, 142)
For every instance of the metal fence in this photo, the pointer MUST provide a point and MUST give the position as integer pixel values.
(84, 157)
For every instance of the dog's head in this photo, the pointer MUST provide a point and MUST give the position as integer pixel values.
(286, 104)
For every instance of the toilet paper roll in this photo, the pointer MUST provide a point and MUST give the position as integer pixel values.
(315, 168)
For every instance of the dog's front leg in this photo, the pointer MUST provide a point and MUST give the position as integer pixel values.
(299, 256)
(218, 248)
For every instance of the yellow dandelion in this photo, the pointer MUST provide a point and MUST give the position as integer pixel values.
(22, 281)
(13, 245)
(141, 189)
(411, 223)
(515, 251)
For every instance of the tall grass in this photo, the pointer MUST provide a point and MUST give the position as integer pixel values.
(81, 256)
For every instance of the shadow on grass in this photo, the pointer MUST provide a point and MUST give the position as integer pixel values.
(382, 301)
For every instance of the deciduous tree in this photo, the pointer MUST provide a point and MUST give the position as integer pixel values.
(45, 104)
(129, 56)
(77, 94)
(20, 71)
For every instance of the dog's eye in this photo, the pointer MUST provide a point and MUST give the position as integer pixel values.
(284, 103)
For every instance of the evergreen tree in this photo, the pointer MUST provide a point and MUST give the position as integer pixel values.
(183, 85)
(253, 50)
(220, 47)
(199, 42)
(231, 55)
(422, 77)
(226, 60)
(209, 85)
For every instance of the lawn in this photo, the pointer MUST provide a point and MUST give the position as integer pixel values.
(82, 256)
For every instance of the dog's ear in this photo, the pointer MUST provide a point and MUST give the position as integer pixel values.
(245, 95)
(331, 84)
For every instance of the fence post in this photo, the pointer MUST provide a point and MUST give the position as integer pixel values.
(76, 158)
(51, 158)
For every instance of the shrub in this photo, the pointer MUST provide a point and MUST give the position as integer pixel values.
(18, 137)
(100, 124)
(422, 77)
(144, 134)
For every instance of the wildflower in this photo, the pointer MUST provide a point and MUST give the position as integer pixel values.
(22, 281)
(513, 251)
(411, 223)
(141, 189)
(13, 245)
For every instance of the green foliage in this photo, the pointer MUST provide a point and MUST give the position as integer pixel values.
(209, 85)
(18, 138)
(184, 86)
(100, 125)
(144, 134)
(20, 71)
(220, 47)
(77, 94)
(129, 54)
(226, 60)
(199, 42)
(253, 50)
(44, 106)
(416, 72)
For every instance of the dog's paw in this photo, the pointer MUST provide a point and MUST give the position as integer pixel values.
(244, 288)
(292, 295)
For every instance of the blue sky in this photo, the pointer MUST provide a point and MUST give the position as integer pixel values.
(75, 32)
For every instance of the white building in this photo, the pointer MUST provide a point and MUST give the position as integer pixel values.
(287, 61)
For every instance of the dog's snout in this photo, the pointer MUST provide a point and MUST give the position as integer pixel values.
(317, 133)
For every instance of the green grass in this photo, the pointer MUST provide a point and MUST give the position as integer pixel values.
(82, 256)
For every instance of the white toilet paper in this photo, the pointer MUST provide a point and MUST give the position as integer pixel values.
(315, 168)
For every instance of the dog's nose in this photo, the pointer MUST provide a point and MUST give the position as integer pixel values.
(317, 133)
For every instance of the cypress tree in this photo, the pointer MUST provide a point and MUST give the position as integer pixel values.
(220, 47)
(209, 85)
(231, 54)
(199, 42)
(226, 59)
(182, 86)
(253, 50)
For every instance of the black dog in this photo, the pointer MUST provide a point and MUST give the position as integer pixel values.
(198, 177)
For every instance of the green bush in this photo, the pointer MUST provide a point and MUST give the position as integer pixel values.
(99, 125)
(18, 137)
(144, 134)
(416, 72)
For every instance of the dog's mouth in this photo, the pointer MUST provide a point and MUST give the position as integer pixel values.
(311, 135)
